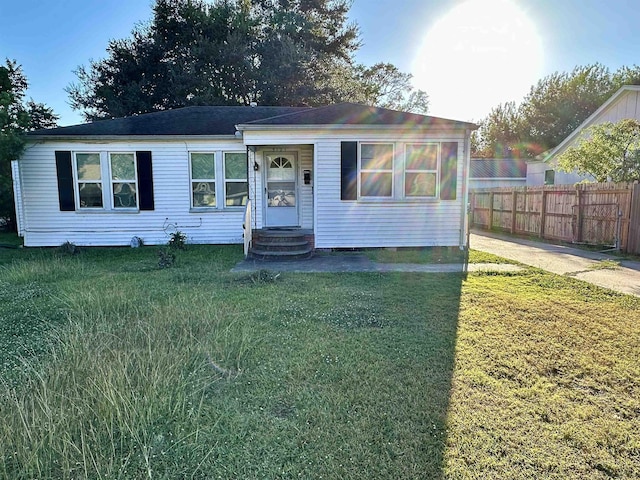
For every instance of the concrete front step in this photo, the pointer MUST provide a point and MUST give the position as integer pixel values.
(280, 255)
(279, 245)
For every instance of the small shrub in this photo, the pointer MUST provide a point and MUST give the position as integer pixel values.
(68, 248)
(260, 277)
(166, 258)
(177, 240)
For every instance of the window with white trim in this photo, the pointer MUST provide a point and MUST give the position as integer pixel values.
(420, 170)
(88, 179)
(203, 179)
(124, 181)
(236, 187)
(375, 175)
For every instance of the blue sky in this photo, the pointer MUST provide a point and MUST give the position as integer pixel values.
(469, 55)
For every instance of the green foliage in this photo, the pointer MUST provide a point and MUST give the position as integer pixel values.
(177, 240)
(166, 257)
(385, 86)
(68, 249)
(234, 52)
(16, 118)
(554, 107)
(608, 152)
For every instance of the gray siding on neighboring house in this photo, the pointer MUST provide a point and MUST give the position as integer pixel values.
(623, 104)
(497, 172)
(536, 175)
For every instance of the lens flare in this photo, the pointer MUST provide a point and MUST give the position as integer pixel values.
(479, 54)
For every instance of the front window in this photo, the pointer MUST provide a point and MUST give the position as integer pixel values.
(376, 170)
(236, 188)
(421, 170)
(123, 180)
(203, 180)
(89, 180)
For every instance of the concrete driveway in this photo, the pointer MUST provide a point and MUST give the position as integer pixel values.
(597, 268)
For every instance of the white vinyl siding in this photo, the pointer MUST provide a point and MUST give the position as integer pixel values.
(46, 225)
(389, 223)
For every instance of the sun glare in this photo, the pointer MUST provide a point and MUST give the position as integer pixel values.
(480, 54)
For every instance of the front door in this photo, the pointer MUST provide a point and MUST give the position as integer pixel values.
(281, 190)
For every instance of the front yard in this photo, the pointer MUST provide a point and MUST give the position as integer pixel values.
(114, 368)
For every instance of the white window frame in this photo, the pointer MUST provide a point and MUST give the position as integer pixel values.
(226, 180)
(134, 180)
(214, 180)
(77, 181)
(106, 181)
(384, 171)
(406, 170)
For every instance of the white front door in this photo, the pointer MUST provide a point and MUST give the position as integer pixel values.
(281, 192)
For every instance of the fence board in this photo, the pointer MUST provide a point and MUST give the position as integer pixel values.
(634, 222)
(595, 213)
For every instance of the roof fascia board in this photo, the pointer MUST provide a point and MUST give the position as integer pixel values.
(246, 127)
(621, 91)
(110, 138)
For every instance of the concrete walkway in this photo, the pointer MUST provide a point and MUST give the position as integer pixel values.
(599, 269)
(339, 262)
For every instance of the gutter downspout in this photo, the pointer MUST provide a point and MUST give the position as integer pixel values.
(464, 225)
(17, 197)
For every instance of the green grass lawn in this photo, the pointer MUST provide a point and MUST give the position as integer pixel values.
(114, 368)
(435, 255)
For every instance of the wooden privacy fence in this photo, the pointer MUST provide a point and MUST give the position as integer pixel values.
(590, 213)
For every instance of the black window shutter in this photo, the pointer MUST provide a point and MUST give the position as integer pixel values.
(448, 170)
(64, 172)
(145, 180)
(348, 170)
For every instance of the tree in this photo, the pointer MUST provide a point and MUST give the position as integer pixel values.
(552, 109)
(234, 52)
(498, 135)
(385, 86)
(608, 152)
(16, 117)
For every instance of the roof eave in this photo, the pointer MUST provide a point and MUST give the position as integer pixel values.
(128, 137)
(247, 127)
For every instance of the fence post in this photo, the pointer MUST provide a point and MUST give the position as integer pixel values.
(514, 206)
(633, 239)
(543, 212)
(491, 211)
(578, 214)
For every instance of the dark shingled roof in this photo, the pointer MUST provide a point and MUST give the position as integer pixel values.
(356, 114)
(498, 168)
(180, 121)
(218, 120)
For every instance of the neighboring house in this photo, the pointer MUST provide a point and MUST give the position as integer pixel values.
(497, 172)
(349, 175)
(623, 104)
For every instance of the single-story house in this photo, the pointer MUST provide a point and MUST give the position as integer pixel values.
(347, 175)
(497, 172)
(623, 104)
